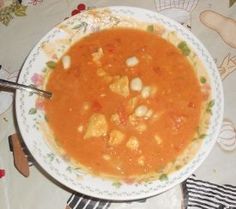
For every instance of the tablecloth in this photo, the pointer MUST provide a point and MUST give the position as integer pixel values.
(22, 26)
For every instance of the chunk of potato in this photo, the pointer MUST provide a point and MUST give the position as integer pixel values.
(133, 143)
(115, 137)
(120, 86)
(97, 126)
(115, 118)
(97, 56)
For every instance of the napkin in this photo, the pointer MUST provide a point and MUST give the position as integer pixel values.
(197, 194)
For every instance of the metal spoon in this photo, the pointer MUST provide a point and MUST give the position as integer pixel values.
(14, 85)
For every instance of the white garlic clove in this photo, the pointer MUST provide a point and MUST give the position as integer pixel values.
(136, 84)
(146, 92)
(66, 62)
(132, 61)
(141, 111)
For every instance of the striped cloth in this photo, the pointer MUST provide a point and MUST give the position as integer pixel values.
(79, 201)
(205, 195)
(198, 194)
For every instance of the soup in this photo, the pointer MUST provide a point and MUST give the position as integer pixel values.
(125, 102)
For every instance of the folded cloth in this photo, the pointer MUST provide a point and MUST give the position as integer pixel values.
(199, 194)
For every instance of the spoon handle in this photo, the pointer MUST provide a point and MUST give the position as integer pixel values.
(13, 85)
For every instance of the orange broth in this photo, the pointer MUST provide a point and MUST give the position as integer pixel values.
(127, 144)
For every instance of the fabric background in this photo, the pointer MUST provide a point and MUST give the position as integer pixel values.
(33, 18)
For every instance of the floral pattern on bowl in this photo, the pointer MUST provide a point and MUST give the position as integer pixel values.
(41, 61)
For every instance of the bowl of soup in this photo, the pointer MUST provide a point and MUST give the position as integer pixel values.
(137, 103)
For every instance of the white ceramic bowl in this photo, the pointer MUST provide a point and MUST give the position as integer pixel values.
(31, 117)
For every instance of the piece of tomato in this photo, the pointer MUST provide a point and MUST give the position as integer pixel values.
(96, 106)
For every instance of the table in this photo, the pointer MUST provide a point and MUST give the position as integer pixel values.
(213, 22)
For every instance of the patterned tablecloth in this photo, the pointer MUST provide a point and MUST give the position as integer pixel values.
(22, 25)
